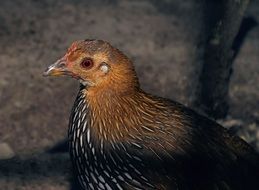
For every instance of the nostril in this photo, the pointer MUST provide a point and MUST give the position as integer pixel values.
(62, 64)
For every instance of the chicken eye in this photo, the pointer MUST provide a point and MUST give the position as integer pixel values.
(87, 63)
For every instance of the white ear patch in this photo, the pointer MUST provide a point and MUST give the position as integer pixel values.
(104, 68)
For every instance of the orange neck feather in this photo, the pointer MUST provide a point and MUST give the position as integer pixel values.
(116, 116)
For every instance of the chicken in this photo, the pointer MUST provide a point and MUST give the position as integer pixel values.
(121, 137)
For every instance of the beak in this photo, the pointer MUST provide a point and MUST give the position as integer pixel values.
(57, 69)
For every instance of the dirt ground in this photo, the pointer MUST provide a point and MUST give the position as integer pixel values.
(161, 36)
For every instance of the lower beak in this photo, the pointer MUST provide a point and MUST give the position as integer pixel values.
(57, 69)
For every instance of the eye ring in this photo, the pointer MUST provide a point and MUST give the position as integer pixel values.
(87, 63)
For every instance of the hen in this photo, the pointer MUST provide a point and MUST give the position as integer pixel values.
(121, 137)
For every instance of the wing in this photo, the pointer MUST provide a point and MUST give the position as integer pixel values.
(194, 151)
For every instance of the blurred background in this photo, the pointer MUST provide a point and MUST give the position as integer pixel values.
(172, 43)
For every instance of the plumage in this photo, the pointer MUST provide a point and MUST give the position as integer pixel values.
(121, 137)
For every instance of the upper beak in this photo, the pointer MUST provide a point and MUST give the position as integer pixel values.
(57, 69)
